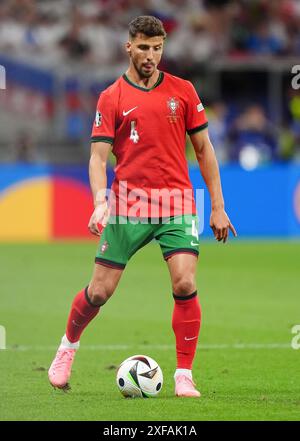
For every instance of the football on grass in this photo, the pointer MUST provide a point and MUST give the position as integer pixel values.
(139, 376)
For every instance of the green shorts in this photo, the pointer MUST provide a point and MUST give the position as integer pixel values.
(121, 238)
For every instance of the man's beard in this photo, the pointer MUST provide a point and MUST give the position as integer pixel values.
(141, 72)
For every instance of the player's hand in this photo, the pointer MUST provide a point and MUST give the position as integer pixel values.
(99, 218)
(220, 224)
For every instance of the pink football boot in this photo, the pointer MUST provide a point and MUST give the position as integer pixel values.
(185, 387)
(60, 369)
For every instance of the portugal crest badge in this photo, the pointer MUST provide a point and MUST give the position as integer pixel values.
(104, 247)
(173, 105)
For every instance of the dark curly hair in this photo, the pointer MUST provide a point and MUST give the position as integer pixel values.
(147, 25)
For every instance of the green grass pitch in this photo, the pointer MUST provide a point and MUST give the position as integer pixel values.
(245, 366)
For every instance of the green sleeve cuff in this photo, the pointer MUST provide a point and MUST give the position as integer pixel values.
(107, 139)
(197, 129)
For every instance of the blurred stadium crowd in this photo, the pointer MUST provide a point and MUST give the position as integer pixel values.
(88, 35)
(93, 30)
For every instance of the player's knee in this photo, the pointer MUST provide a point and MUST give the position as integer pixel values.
(99, 295)
(184, 286)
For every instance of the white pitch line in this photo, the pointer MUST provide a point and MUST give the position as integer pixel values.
(157, 347)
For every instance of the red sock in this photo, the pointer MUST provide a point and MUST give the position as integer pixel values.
(82, 312)
(186, 322)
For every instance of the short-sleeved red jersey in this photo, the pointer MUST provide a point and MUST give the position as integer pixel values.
(147, 128)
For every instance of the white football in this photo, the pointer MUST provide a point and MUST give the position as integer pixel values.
(139, 376)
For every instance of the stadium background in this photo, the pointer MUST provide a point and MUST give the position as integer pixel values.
(58, 55)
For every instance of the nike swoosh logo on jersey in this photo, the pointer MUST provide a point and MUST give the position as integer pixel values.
(194, 244)
(128, 111)
(192, 338)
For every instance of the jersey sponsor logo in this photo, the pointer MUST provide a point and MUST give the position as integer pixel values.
(173, 105)
(129, 111)
(200, 107)
(98, 119)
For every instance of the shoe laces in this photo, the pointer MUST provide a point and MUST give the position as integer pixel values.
(185, 379)
(63, 357)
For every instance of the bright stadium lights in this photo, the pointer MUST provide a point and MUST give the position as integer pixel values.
(249, 157)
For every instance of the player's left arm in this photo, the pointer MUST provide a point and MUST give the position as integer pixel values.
(219, 220)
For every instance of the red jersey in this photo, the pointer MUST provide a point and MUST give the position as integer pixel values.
(147, 128)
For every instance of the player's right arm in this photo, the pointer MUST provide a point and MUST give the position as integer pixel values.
(103, 133)
(98, 182)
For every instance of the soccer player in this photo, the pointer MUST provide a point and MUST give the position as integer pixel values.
(144, 117)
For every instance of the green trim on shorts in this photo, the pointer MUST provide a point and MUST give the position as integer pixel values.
(109, 263)
(169, 254)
